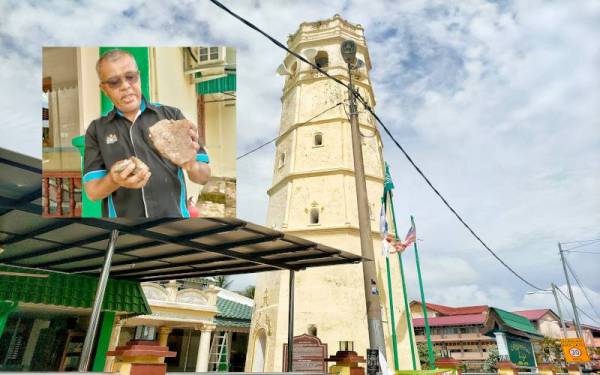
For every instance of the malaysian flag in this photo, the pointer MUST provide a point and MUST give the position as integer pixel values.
(411, 236)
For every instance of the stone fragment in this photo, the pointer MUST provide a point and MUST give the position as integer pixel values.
(139, 165)
(121, 165)
(172, 140)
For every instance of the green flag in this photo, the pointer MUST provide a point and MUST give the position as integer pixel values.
(388, 185)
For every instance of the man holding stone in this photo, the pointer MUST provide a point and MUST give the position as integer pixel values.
(135, 155)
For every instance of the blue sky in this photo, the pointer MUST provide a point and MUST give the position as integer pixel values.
(496, 101)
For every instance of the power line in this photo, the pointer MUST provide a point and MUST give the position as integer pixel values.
(578, 308)
(580, 241)
(368, 108)
(583, 252)
(581, 287)
(567, 301)
(276, 138)
(582, 245)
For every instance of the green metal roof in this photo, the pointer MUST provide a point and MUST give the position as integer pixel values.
(516, 322)
(233, 314)
(233, 310)
(232, 323)
(223, 84)
(62, 289)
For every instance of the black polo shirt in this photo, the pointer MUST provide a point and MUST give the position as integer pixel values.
(112, 138)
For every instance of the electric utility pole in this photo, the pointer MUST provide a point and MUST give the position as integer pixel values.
(560, 315)
(376, 339)
(575, 313)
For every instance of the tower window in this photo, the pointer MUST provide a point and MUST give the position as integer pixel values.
(318, 139)
(322, 59)
(314, 216)
(281, 159)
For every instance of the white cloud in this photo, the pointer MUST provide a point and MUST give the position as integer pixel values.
(546, 300)
(462, 273)
(470, 294)
(496, 101)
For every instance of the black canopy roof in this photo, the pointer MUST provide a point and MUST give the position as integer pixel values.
(147, 249)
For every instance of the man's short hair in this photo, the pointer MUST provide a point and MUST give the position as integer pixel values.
(112, 55)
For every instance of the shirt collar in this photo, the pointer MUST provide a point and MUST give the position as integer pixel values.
(115, 111)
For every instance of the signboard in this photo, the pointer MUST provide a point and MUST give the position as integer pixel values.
(574, 350)
(520, 351)
(308, 354)
(372, 361)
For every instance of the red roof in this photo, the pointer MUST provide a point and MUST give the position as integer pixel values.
(450, 320)
(451, 311)
(533, 314)
(570, 324)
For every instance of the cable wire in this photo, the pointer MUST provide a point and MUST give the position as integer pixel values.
(578, 246)
(366, 105)
(567, 303)
(276, 138)
(578, 308)
(582, 252)
(189, 50)
(592, 240)
(581, 287)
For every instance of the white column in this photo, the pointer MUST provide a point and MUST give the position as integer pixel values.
(163, 335)
(502, 344)
(204, 349)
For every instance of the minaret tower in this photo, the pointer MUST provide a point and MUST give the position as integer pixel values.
(313, 196)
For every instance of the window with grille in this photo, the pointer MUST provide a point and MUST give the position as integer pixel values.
(208, 54)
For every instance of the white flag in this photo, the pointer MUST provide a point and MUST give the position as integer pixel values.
(385, 370)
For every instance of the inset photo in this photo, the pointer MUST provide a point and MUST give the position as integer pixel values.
(139, 132)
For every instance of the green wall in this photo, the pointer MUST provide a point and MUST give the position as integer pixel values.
(142, 59)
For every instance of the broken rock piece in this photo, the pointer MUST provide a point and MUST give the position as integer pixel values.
(139, 165)
(121, 165)
(172, 140)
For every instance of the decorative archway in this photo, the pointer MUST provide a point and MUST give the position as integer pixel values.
(260, 351)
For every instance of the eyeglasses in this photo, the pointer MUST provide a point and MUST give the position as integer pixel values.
(116, 82)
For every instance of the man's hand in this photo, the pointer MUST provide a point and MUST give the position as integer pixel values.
(193, 132)
(126, 178)
(197, 171)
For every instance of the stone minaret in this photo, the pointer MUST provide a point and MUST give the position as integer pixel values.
(313, 196)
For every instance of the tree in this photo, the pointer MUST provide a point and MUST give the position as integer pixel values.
(551, 352)
(423, 356)
(249, 291)
(223, 281)
(490, 364)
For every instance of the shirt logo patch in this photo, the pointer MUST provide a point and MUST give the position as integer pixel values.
(111, 138)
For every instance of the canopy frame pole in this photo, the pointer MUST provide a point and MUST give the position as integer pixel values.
(86, 352)
(290, 342)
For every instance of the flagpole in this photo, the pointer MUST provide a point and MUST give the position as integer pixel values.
(406, 307)
(387, 190)
(430, 354)
(392, 317)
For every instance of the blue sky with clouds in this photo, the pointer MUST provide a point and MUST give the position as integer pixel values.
(498, 102)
